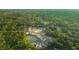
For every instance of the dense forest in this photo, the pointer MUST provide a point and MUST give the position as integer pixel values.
(39, 29)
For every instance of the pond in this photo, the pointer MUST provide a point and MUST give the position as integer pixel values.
(39, 39)
(38, 42)
(34, 39)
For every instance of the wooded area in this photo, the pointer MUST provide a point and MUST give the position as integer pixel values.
(42, 29)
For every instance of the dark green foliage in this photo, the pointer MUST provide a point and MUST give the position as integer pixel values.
(61, 25)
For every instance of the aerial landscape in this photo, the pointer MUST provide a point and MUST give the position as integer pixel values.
(39, 29)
